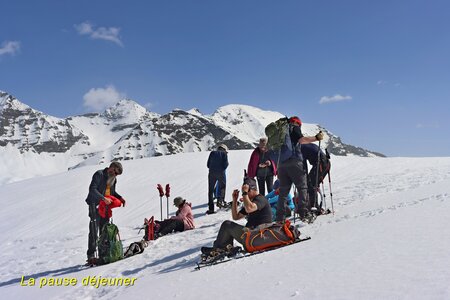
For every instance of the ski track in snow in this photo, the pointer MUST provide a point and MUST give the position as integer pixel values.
(363, 190)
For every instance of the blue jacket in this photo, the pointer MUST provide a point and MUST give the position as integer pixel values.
(273, 200)
(217, 161)
(97, 188)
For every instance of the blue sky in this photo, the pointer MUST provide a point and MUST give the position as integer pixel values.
(376, 73)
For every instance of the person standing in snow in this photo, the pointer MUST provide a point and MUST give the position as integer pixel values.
(310, 153)
(183, 219)
(103, 184)
(255, 207)
(262, 167)
(291, 171)
(217, 164)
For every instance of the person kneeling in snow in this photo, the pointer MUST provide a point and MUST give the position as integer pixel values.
(183, 219)
(257, 210)
(272, 197)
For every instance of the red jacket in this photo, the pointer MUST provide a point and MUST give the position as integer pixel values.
(254, 162)
(102, 206)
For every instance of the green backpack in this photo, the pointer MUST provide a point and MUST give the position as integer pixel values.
(110, 247)
(276, 133)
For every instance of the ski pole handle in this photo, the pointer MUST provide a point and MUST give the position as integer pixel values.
(167, 190)
(160, 189)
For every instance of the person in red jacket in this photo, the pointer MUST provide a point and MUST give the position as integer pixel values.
(262, 167)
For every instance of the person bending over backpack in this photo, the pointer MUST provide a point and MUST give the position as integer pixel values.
(256, 208)
(183, 219)
(103, 184)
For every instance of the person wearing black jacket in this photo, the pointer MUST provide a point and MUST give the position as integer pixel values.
(103, 184)
(217, 164)
(291, 171)
(310, 153)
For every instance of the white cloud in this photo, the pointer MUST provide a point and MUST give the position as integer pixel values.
(101, 33)
(10, 47)
(99, 99)
(433, 125)
(335, 98)
(381, 82)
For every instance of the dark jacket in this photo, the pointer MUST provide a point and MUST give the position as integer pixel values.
(97, 188)
(310, 152)
(217, 161)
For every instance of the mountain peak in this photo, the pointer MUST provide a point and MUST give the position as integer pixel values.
(127, 109)
(8, 101)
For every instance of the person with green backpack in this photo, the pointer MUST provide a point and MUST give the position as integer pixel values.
(103, 184)
(284, 142)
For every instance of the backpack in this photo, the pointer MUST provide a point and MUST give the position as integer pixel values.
(279, 140)
(270, 236)
(110, 247)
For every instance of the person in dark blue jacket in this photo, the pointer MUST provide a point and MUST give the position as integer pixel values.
(310, 153)
(217, 164)
(103, 184)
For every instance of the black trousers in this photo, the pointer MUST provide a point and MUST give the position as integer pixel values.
(220, 178)
(262, 182)
(292, 172)
(95, 226)
(324, 168)
(228, 232)
(170, 225)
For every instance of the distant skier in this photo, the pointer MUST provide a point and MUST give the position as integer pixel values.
(262, 167)
(217, 164)
(103, 184)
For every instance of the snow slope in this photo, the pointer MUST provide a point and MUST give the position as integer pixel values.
(387, 240)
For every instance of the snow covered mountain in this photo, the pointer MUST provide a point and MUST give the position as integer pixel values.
(45, 144)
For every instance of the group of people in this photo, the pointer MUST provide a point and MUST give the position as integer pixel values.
(262, 168)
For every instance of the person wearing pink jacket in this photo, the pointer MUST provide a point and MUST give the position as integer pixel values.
(183, 219)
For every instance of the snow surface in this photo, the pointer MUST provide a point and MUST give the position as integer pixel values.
(389, 238)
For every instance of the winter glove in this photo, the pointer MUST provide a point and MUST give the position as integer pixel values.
(319, 136)
(160, 189)
(167, 190)
(123, 201)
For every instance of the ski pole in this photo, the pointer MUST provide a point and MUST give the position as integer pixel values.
(317, 186)
(167, 198)
(324, 196)
(331, 192)
(161, 194)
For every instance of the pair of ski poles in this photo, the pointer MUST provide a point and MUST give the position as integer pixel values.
(161, 195)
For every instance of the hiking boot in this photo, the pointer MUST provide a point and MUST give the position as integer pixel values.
(308, 218)
(210, 212)
(91, 261)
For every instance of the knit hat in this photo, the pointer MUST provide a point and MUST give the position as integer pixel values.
(178, 201)
(251, 183)
(223, 147)
(276, 184)
(295, 120)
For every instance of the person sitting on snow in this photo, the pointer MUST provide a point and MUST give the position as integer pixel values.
(183, 219)
(255, 207)
(272, 197)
